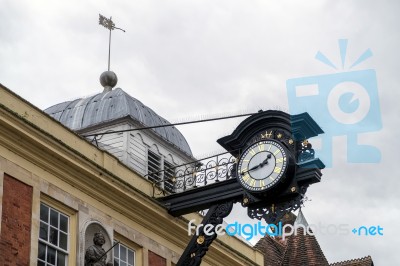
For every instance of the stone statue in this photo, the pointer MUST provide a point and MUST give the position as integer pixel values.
(95, 255)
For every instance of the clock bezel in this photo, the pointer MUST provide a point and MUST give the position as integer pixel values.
(281, 176)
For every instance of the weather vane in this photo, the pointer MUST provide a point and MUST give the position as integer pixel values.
(109, 24)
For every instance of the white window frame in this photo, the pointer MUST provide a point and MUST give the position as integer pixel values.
(56, 228)
(117, 254)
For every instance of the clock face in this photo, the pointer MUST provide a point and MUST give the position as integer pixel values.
(262, 165)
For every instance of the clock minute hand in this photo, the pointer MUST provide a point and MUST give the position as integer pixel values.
(251, 169)
(259, 165)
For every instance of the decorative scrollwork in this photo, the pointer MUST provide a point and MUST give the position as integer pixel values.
(273, 213)
(199, 244)
(200, 173)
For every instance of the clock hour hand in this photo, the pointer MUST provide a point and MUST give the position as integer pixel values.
(266, 160)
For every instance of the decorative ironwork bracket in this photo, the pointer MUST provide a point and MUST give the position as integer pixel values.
(200, 243)
(273, 213)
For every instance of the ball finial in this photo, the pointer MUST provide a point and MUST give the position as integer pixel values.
(108, 80)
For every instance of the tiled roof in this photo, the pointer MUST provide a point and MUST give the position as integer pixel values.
(300, 250)
(272, 249)
(303, 250)
(366, 261)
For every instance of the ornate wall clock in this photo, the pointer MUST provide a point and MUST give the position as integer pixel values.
(274, 167)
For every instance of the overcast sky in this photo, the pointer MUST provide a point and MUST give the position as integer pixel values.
(188, 59)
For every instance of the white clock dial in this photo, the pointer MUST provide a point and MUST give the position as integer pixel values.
(262, 165)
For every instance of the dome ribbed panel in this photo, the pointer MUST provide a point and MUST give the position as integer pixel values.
(109, 106)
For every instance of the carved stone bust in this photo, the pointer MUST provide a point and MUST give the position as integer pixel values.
(95, 255)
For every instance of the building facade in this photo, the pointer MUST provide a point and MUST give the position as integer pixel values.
(58, 190)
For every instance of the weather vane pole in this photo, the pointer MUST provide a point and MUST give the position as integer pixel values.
(109, 24)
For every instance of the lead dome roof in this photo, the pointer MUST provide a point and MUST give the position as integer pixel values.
(108, 106)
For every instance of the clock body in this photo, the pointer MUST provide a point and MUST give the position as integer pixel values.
(263, 165)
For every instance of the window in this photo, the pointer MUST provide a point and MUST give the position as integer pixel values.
(154, 165)
(169, 173)
(53, 237)
(123, 256)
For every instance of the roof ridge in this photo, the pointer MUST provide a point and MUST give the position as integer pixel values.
(346, 262)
